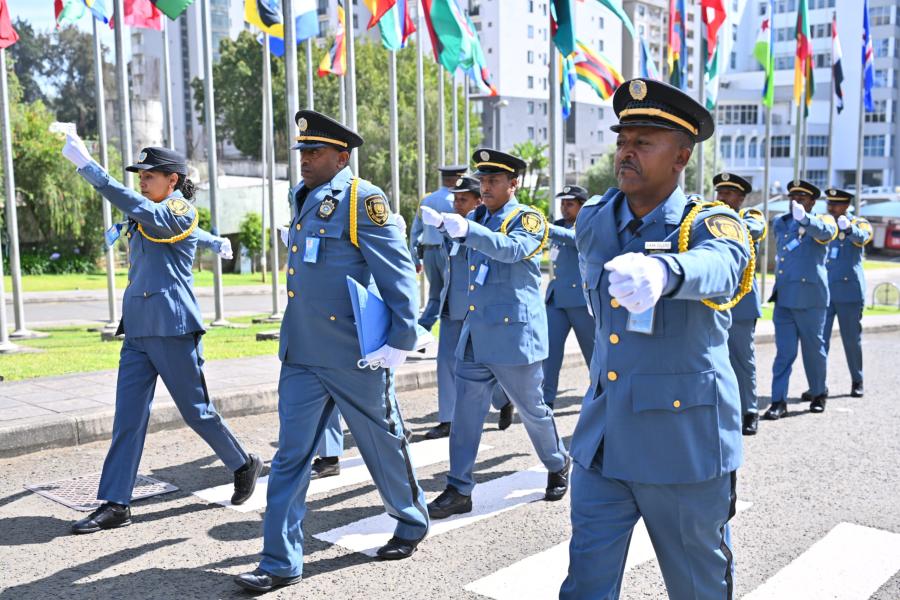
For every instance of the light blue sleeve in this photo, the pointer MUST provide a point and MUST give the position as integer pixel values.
(562, 235)
(755, 222)
(823, 228)
(859, 232)
(206, 240)
(515, 245)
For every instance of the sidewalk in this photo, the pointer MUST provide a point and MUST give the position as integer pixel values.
(69, 410)
(98, 295)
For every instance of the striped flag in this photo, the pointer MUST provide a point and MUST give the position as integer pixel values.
(335, 62)
(450, 33)
(102, 9)
(763, 51)
(171, 8)
(378, 8)
(676, 52)
(837, 71)
(396, 25)
(803, 54)
(475, 65)
(562, 26)
(713, 17)
(596, 70)
(648, 66)
(568, 79)
(868, 61)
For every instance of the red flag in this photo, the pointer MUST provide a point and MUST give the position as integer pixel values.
(141, 13)
(8, 35)
(713, 15)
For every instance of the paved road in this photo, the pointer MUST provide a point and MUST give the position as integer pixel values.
(819, 507)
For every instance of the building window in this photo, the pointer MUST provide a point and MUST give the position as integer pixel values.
(600, 113)
(530, 57)
(879, 115)
(530, 107)
(642, 10)
(785, 61)
(781, 146)
(740, 148)
(531, 133)
(738, 114)
(880, 15)
(601, 22)
(873, 145)
(531, 32)
(530, 82)
(725, 146)
(817, 145)
(544, 104)
(531, 6)
(822, 61)
(751, 149)
(600, 45)
(817, 177)
(880, 78)
(882, 47)
(820, 30)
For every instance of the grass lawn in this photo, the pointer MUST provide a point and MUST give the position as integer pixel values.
(97, 281)
(76, 350)
(875, 265)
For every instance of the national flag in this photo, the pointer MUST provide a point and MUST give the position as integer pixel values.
(803, 53)
(677, 50)
(713, 16)
(102, 9)
(171, 8)
(568, 80)
(615, 6)
(476, 65)
(765, 42)
(449, 31)
(649, 69)
(8, 35)
(67, 11)
(140, 13)
(378, 8)
(595, 69)
(265, 15)
(562, 25)
(335, 62)
(837, 71)
(396, 25)
(868, 61)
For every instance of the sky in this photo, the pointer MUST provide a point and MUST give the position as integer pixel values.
(40, 14)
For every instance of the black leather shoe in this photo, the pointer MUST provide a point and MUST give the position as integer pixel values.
(506, 415)
(245, 480)
(108, 516)
(450, 502)
(260, 581)
(818, 404)
(856, 390)
(398, 548)
(751, 424)
(776, 411)
(808, 397)
(441, 430)
(325, 467)
(558, 483)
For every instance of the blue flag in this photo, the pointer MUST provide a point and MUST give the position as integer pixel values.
(868, 60)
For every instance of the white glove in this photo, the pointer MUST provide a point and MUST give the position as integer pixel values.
(225, 250)
(431, 217)
(637, 281)
(284, 232)
(401, 223)
(798, 212)
(843, 222)
(456, 226)
(387, 357)
(75, 151)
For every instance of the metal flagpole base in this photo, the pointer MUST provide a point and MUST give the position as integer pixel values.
(223, 322)
(27, 334)
(10, 348)
(273, 318)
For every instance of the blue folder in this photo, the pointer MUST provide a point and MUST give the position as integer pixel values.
(373, 319)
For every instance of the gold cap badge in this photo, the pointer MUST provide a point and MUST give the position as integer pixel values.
(725, 176)
(142, 157)
(637, 89)
(302, 124)
(485, 155)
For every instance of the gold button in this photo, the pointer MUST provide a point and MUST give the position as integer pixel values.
(614, 303)
(298, 226)
(471, 288)
(845, 279)
(472, 267)
(780, 272)
(322, 230)
(613, 339)
(677, 404)
(574, 285)
(333, 318)
(145, 294)
(290, 293)
(471, 307)
(506, 319)
(803, 279)
(612, 375)
(291, 271)
(294, 248)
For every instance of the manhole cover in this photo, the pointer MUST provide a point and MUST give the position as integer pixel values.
(80, 492)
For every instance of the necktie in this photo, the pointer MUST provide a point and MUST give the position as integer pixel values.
(633, 227)
(301, 197)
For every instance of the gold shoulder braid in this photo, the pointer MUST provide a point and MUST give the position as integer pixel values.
(756, 213)
(354, 216)
(505, 225)
(684, 239)
(176, 238)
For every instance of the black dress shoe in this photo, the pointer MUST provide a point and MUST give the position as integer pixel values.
(245, 480)
(260, 581)
(323, 466)
(808, 397)
(818, 404)
(441, 430)
(108, 516)
(506, 415)
(450, 502)
(751, 424)
(856, 389)
(398, 548)
(558, 483)
(776, 411)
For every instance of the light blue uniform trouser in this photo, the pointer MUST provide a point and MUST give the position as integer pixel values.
(849, 316)
(332, 444)
(559, 322)
(742, 351)
(807, 326)
(446, 371)
(367, 403)
(475, 384)
(687, 523)
(434, 262)
(178, 361)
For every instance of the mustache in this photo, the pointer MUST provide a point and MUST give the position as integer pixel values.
(626, 164)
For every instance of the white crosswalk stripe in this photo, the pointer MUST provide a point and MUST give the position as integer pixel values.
(353, 472)
(488, 500)
(850, 563)
(540, 575)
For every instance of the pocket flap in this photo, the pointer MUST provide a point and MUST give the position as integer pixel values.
(673, 392)
(506, 313)
(327, 230)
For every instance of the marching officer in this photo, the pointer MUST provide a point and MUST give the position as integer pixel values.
(162, 325)
(732, 190)
(342, 228)
(427, 244)
(566, 305)
(660, 436)
(801, 297)
(504, 334)
(847, 283)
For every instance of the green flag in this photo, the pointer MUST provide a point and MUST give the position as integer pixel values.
(172, 8)
(616, 7)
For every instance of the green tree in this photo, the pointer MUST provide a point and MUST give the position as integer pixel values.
(600, 176)
(533, 190)
(250, 238)
(30, 57)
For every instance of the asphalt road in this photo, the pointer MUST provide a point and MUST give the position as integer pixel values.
(803, 477)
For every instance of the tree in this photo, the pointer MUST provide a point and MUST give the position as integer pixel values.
(600, 176)
(533, 189)
(249, 234)
(29, 55)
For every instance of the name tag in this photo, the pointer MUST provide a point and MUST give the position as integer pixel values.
(482, 274)
(454, 248)
(833, 253)
(311, 253)
(792, 245)
(657, 246)
(554, 252)
(641, 322)
(112, 234)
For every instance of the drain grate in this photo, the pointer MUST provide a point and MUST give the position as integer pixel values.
(80, 492)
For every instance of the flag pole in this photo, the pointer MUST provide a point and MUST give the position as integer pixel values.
(701, 93)
(342, 98)
(310, 92)
(828, 179)
(269, 150)
(292, 87)
(455, 120)
(211, 158)
(442, 144)
(859, 138)
(420, 103)
(351, 79)
(5, 344)
(797, 148)
(167, 86)
(803, 150)
(104, 162)
(263, 159)
(554, 153)
(395, 143)
(766, 187)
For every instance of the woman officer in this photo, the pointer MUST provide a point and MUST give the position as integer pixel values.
(162, 325)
